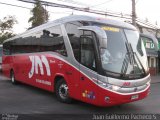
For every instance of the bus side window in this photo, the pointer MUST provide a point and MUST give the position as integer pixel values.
(75, 43)
(87, 50)
(82, 44)
(74, 37)
(52, 40)
(6, 48)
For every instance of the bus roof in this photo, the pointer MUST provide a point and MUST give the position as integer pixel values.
(95, 19)
(77, 18)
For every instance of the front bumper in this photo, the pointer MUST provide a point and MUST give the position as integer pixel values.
(117, 99)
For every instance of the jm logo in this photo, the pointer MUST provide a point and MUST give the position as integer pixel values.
(39, 63)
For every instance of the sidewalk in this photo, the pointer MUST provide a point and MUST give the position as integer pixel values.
(155, 79)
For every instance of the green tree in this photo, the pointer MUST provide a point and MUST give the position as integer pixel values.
(39, 15)
(6, 25)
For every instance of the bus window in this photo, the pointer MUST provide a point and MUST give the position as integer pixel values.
(74, 36)
(87, 50)
(41, 41)
(7, 48)
(52, 40)
(82, 44)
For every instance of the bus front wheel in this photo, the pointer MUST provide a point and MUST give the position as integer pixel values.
(62, 91)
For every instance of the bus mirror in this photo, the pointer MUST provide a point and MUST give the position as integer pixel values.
(104, 43)
(101, 34)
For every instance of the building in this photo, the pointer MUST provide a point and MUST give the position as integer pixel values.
(159, 53)
(151, 43)
(149, 35)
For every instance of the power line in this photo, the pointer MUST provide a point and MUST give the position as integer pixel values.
(119, 15)
(67, 12)
(101, 3)
(73, 2)
(147, 23)
(15, 5)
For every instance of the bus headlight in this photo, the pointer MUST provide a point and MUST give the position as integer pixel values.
(108, 86)
(115, 88)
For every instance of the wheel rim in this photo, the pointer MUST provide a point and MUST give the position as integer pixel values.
(63, 91)
(12, 78)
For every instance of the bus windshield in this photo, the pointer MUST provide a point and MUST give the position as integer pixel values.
(125, 54)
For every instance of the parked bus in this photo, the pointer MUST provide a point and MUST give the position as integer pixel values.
(98, 61)
(1, 51)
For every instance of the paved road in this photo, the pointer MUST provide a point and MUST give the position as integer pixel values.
(25, 99)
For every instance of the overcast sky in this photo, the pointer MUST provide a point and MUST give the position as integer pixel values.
(145, 9)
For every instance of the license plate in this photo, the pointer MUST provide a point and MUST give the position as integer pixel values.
(134, 97)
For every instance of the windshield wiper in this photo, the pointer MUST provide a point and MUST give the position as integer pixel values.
(126, 60)
(135, 62)
(130, 58)
(124, 65)
(140, 63)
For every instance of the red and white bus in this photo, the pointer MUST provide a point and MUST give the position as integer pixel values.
(98, 61)
(1, 51)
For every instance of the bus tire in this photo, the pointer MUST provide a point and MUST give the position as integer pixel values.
(12, 77)
(62, 91)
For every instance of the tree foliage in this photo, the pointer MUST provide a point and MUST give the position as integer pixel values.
(6, 25)
(39, 15)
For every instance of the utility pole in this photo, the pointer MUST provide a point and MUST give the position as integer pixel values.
(134, 12)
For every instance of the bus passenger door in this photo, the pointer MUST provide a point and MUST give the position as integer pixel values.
(84, 59)
(88, 67)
